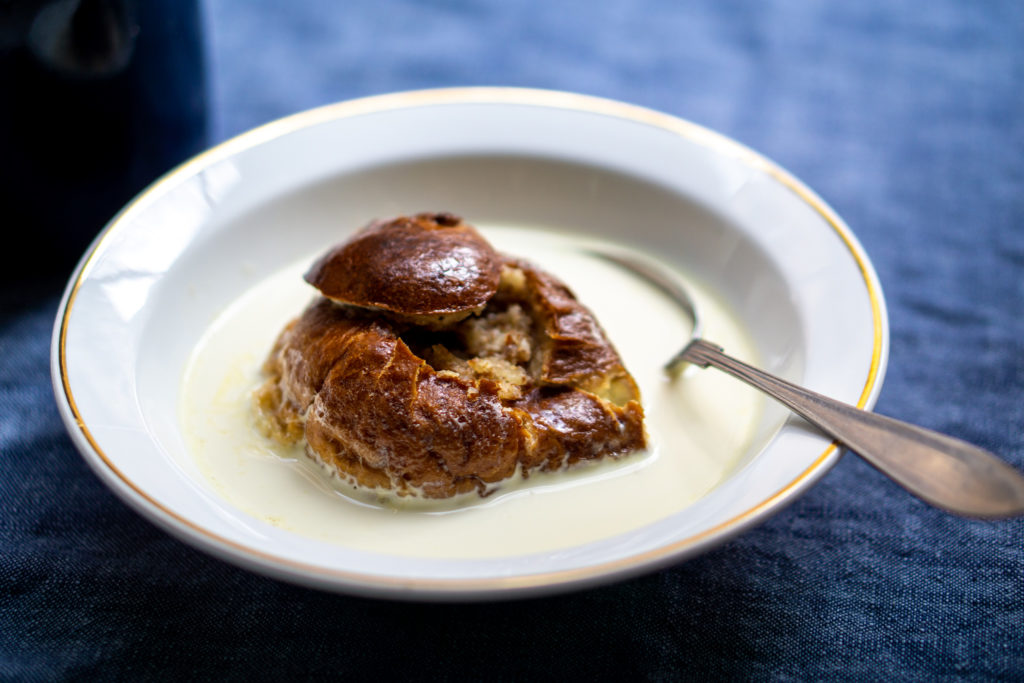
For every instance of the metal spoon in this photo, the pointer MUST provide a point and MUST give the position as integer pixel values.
(948, 473)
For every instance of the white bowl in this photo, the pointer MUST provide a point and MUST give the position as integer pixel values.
(194, 241)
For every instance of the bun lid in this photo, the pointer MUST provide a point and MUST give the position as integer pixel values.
(431, 268)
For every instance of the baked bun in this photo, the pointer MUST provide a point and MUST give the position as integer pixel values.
(526, 381)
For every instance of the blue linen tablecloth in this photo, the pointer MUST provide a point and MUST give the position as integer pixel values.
(907, 117)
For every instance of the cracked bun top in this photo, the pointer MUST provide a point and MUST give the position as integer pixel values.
(428, 269)
(435, 366)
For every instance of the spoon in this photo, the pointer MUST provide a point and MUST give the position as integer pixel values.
(948, 473)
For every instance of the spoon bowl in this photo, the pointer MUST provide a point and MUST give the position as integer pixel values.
(946, 472)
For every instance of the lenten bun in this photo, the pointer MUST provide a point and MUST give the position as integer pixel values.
(525, 381)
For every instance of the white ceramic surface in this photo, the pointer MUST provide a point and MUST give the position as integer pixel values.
(199, 237)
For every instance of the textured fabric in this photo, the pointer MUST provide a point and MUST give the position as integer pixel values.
(907, 117)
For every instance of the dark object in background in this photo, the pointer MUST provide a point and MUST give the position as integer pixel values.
(97, 99)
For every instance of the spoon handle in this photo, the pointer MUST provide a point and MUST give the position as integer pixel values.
(946, 472)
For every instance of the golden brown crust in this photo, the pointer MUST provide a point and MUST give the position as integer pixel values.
(377, 412)
(574, 350)
(430, 264)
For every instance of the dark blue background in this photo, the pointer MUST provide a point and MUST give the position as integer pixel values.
(907, 117)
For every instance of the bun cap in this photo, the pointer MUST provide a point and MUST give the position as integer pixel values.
(430, 264)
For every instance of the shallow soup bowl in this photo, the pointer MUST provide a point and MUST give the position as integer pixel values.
(771, 254)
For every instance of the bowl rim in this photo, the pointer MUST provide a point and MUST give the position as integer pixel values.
(464, 588)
